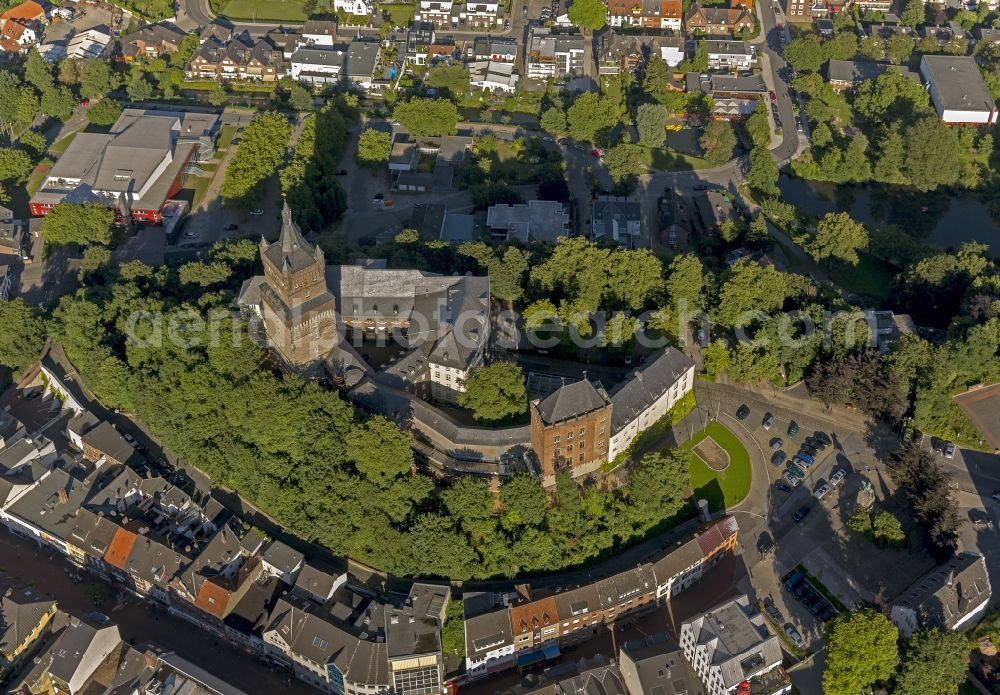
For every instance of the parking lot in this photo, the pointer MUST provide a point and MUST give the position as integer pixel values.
(87, 17)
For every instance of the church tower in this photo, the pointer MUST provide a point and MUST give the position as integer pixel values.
(298, 311)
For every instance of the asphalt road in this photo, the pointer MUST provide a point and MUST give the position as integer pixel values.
(772, 47)
(141, 622)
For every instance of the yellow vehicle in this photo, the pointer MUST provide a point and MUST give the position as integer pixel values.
(674, 127)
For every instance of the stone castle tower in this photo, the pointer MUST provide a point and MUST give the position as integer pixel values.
(298, 311)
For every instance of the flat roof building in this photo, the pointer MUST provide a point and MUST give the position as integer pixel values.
(958, 91)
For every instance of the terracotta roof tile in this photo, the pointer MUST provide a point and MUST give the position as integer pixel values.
(120, 548)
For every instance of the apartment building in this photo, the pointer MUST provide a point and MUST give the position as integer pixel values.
(550, 54)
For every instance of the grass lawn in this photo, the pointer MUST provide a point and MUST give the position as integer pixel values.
(226, 135)
(400, 15)
(60, 146)
(194, 190)
(722, 489)
(665, 159)
(258, 10)
(870, 278)
(36, 179)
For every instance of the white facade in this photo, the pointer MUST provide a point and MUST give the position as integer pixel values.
(621, 439)
(480, 14)
(447, 382)
(316, 66)
(492, 76)
(436, 11)
(729, 61)
(87, 44)
(60, 389)
(500, 658)
(672, 55)
(356, 7)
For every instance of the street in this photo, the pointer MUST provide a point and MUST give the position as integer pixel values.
(138, 621)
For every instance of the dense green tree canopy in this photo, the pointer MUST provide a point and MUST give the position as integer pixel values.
(591, 115)
(838, 236)
(553, 121)
(309, 182)
(805, 53)
(15, 164)
(257, 159)
(718, 141)
(427, 117)
(650, 120)
(750, 287)
(933, 662)
(22, 334)
(67, 223)
(104, 112)
(495, 393)
(374, 148)
(451, 77)
(589, 15)
(861, 651)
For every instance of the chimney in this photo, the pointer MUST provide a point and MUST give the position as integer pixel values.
(63, 497)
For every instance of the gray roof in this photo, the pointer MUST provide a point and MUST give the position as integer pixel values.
(162, 33)
(72, 646)
(362, 57)
(857, 71)
(583, 600)
(282, 557)
(315, 581)
(946, 594)
(958, 82)
(21, 610)
(51, 505)
(646, 385)
(492, 45)
(630, 584)
(410, 633)
(458, 227)
(600, 680)
(538, 220)
(612, 216)
(724, 84)
(320, 27)
(572, 400)
(12, 235)
(486, 632)
(291, 251)
(106, 439)
(325, 56)
(655, 666)
(726, 47)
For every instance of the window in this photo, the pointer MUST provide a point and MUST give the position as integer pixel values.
(581, 458)
(569, 447)
(583, 431)
(569, 435)
(321, 643)
(555, 440)
(601, 431)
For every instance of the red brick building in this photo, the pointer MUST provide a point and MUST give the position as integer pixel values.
(571, 428)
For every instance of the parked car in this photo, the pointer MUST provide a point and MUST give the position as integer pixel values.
(256, 212)
(793, 580)
(823, 437)
(796, 461)
(768, 421)
(838, 476)
(774, 97)
(804, 456)
(230, 227)
(810, 597)
(817, 607)
(949, 450)
(85, 102)
(776, 443)
(811, 450)
(800, 514)
(801, 589)
(793, 428)
(782, 485)
(822, 491)
(743, 412)
(341, 172)
(778, 458)
(791, 478)
(794, 635)
(979, 517)
(827, 614)
(773, 611)
(130, 439)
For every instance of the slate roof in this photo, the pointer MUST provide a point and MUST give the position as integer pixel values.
(572, 400)
(362, 57)
(583, 600)
(282, 557)
(630, 584)
(315, 581)
(291, 250)
(646, 385)
(946, 594)
(106, 439)
(729, 634)
(857, 71)
(409, 633)
(21, 610)
(655, 666)
(72, 646)
(959, 83)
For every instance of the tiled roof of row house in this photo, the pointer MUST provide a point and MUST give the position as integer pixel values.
(646, 8)
(106, 439)
(947, 593)
(241, 50)
(21, 611)
(626, 586)
(695, 550)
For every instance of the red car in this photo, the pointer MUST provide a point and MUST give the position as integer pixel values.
(774, 97)
(597, 153)
(85, 102)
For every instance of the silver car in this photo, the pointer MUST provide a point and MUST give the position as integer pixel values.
(821, 491)
(837, 477)
(794, 635)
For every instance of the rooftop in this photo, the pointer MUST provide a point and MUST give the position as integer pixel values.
(958, 81)
(572, 400)
(950, 591)
(647, 384)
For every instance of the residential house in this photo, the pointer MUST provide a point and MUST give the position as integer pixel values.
(952, 596)
(489, 638)
(79, 651)
(318, 66)
(647, 395)
(285, 41)
(437, 12)
(282, 562)
(92, 43)
(535, 624)
(25, 615)
(480, 13)
(734, 96)
(847, 74)
(628, 52)
(718, 21)
(536, 220)
(804, 10)
(419, 38)
(316, 585)
(21, 25)
(729, 645)
(103, 442)
(361, 63)
(652, 667)
(687, 563)
(413, 640)
(13, 235)
(958, 91)
(496, 49)
(886, 328)
(711, 210)
(152, 41)
(319, 32)
(358, 8)
(582, 615)
(571, 428)
(825, 28)
(433, 222)
(730, 55)
(648, 14)
(490, 76)
(551, 54)
(616, 219)
(16, 36)
(627, 592)
(986, 35)
(240, 58)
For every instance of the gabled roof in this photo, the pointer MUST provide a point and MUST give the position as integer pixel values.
(572, 400)
(21, 611)
(120, 548)
(949, 592)
(291, 251)
(646, 385)
(27, 10)
(541, 612)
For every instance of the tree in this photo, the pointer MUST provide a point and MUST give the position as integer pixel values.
(933, 662)
(716, 357)
(38, 72)
(553, 121)
(861, 651)
(838, 236)
(34, 141)
(299, 98)
(763, 174)
(718, 141)
(15, 164)
(104, 112)
(139, 88)
(860, 522)
(553, 186)
(928, 488)
(886, 528)
(872, 47)
(260, 153)
(624, 162)
(698, 62)
(218, 95)
(862, 380)
(524, 501)
(97, 80)
(68, 223)
(380, 450)
(495, 393)
(749, 288)
(374, 148)
(452, 77)
(589, 15)
(843, 46)
(758, 126)
(913, 13)
(95, 259)
(204, 274)
(590, 115)
(22, 334)
(890, 97)
(899, 48)
(805, 53)
(650, 120)
(932, 154)
(686, 282)
(58, 102)
(427, 117)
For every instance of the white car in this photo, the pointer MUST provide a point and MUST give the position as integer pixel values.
(821, 491)
(256, 213)
(837, 477)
